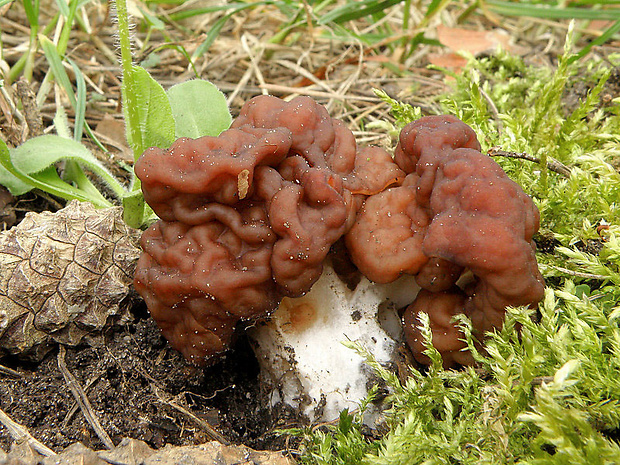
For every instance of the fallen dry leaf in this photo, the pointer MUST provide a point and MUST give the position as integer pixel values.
(112, 131)
(472, 41)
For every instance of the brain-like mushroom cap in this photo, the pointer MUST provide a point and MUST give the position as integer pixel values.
(199, 280)
(246, 217)
(180, 181)
(466, 214)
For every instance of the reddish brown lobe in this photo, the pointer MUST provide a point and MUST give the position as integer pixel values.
(475, 220)
(247, 218)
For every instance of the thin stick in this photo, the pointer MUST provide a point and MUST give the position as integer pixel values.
(10, 372)
(76, 406)
(496, 117)
(20, 434)
(553, 165)
(580, 274)
(206, 427)
(82, 400)
(164, 399)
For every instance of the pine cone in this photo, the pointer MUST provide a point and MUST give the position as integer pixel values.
(64, 276)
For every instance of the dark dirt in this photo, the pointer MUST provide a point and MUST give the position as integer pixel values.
(135, 384)
(578, 89)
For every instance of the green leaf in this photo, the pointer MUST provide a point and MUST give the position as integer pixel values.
(136, 212)
(214, 31)
(8, 177)
(55, 61)
(199, 109)
(80, 102)
(156, 124)
(33, 166)
(31, 7)
(133, 209)
(355, 10)
(550, 12)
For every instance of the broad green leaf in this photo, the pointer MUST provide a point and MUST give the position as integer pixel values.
(8, 177)
(34, 163)
(46, 180)
(154, 111)
(199, 109)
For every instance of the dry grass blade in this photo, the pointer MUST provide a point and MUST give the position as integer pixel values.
(197, 421)
(21, 434)
(82, 400)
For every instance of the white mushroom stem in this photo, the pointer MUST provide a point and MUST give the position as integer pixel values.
(300, 348)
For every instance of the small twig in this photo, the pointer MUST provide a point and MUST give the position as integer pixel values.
(276, 88)
(20, 434)
(10, 372)
(580, 274)
(553, 165)
(206, 427)
(76, 406)
(165, 399)
(82, 400)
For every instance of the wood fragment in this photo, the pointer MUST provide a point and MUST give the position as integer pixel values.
(552, 164)
(76, 406)
(20, 434)
(29, 104)
(82, 400)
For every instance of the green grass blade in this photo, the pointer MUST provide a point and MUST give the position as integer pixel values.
(355, 10)
(63, 7)
(80, 103)
(63, 40)
(236, 7)
(31, 8)
(214, 31)
(55, 62)
(600, 40)
(77, 102)
(432, 8)
(550, 12)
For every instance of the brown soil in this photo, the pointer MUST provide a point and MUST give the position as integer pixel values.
(138, 388)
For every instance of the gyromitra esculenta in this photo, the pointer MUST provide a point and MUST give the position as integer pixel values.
(249, 217)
